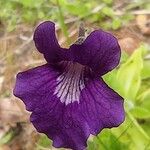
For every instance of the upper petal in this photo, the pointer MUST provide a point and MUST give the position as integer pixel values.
(47, 43)
(45, 38)
(100, 51)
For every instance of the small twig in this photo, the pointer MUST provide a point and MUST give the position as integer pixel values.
(137, 12)
(98, 8)
(141, 12)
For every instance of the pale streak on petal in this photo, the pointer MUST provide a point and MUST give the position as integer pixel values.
(69, 84)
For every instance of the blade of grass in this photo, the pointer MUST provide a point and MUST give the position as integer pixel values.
(140, 129)
(124, 131)
(104, 145)
(62, 22)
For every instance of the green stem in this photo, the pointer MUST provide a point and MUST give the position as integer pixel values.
(62, 22)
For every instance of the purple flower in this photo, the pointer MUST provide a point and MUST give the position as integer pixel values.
(67, 96)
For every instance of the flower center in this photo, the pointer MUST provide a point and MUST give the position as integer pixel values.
(70, 82)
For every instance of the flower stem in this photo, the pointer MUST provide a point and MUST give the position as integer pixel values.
(81, 34)
(81, 30)
(62, 22)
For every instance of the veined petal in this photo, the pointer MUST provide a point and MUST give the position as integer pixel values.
(32, 85)
(45, 38)
(68, 103)
(47, 43)
(100, 51)
(101, 106)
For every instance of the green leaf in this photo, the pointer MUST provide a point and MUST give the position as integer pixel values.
(110, 79)
(43, 142)
(31, 3)
(108, 1)
(140, 112)
(6, 138)
(107, 140)
(127, 17)
(114, 143)
(146, 69)
(141, 134)
(145, 96)
(116, 24)
(78, 9)
(129, 75)
(108, 11)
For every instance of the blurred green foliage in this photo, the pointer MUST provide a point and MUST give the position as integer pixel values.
(131, 79)
(14, 12)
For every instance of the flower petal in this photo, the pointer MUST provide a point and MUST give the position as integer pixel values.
(101, 106)
(100, 51)
(68, 121)
(32, 85)
(47, 44)
(45, 38)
